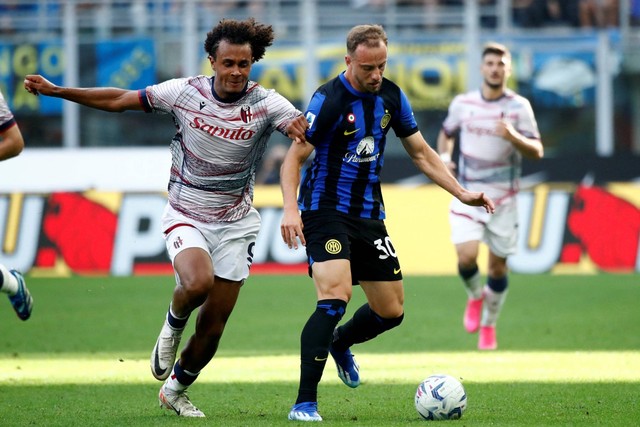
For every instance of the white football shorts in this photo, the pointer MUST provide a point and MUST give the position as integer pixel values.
(498, 230)
(230, 244)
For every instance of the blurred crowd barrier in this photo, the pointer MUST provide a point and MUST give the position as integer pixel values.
(576, 60)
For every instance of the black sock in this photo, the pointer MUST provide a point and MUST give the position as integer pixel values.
(176, 322)
(363, 326)
(314, 346)
(184, 377)
(498, 285)
(467, 273)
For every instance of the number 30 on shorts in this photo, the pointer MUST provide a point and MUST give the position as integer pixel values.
(385, 247)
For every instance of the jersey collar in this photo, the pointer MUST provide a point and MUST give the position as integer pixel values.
(503, 95)
(353, 90)
(229, 100)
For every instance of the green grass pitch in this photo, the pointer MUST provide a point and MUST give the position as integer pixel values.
(569, 355)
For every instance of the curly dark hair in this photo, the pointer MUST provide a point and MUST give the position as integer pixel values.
(259, 36)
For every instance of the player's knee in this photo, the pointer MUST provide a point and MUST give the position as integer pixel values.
(196, 285)
(467, 262)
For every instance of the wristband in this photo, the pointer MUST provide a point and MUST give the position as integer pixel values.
(445, 157)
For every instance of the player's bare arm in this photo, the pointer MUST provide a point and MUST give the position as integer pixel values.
(445, 149)
(291, 225)
(429, 163)
(107, 99)
(530, 148)
(11, 143)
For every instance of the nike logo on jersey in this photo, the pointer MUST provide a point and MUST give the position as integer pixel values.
(202, 105)
(396, 270)
(350, 132)
(319, 359)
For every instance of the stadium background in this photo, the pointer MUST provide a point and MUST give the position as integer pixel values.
(85, 195)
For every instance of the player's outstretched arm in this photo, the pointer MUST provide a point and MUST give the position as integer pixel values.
(107, 99)
(429, 163)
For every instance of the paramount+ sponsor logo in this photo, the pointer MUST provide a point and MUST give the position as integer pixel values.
(237, 134)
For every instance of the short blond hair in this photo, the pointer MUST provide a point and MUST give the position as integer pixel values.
(370, 35)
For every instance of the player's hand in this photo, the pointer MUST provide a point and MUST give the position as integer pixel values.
(297, 128)
(291, 228)
(36, 84)
(477, 199)
(504, 129)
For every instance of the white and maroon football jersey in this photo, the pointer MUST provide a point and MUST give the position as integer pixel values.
(6, 116)
(488, 162)
(218, 145)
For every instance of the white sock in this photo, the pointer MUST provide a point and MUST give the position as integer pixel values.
(473, 285)
(9, 284)
(492, 306)
(173, 384)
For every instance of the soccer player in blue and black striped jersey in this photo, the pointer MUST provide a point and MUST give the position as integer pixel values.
(342, 210)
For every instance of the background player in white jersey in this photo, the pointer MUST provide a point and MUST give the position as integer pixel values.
(11, 282)
(223, 124)
(496, 129)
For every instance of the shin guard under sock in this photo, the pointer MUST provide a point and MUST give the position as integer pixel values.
(314, 344)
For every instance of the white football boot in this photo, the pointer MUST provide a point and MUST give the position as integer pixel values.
(178, 402)
(164, 352)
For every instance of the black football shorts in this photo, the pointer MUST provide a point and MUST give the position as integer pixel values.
(365, 242)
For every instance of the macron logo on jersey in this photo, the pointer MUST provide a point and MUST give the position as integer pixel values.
(214, 130)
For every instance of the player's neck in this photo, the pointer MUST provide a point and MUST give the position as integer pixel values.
(491, 94)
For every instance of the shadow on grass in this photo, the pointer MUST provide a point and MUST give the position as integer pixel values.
(267, 404)
(123, 315)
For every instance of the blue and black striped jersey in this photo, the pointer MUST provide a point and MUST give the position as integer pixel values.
(348, 130)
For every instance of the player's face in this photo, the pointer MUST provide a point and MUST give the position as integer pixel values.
(495, 70)
(366, 67)
(231, 66)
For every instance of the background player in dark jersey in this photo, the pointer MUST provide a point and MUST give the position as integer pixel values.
(223, 124)
(11, 281)
(343, 211)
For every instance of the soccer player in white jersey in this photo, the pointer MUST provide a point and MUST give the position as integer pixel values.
(223, 123)
(11, 281)
(496, 129)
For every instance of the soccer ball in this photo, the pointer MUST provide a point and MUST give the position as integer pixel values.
(441, 397)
